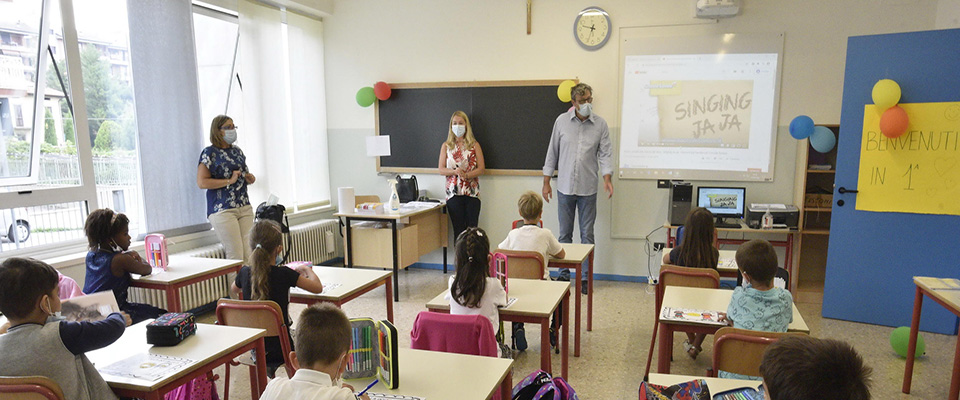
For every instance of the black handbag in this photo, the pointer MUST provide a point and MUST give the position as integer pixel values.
(407, 188)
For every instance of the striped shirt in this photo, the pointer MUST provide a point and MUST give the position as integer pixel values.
(579, 150)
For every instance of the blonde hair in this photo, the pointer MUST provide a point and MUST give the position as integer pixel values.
(216, 137)
(452, 139)
(530, 205)
(265, 237)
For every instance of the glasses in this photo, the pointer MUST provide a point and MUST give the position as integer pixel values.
(226, 127)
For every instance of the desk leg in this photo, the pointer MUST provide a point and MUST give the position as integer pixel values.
(259, 383)
(443, 221)
(389, 286)
(670, 237)
(444, 259)
(173, 299)
(578, 306)
(666, 348)
(955, 380)
(590, 294)
(912, 348)
(545, 349)
(565, 340)
(506, 387)
(349, 238)
(396, 261)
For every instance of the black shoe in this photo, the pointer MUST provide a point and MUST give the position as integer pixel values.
(583, 288)
(553, 337)
(519, 337)
(564, 276)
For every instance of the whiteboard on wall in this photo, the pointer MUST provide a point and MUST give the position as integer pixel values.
(700, 107)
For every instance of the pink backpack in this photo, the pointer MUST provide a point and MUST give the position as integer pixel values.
(539, 385)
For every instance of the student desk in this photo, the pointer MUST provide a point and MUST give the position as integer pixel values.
(183, 271)
(353, 283)
(210, 347)
(726, 265)
(436, 375)
(425, 230)
(716, 385)
(699, 299)
(946, 292)
(786, 244)
(575, 255)
(537, 300)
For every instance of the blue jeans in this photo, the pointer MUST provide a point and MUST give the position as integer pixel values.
(567, 207)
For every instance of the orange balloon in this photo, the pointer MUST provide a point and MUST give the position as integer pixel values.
(894, 122)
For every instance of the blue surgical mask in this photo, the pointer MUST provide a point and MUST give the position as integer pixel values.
(230, 135)
(459, 130)
(279, 259)
(585, 109)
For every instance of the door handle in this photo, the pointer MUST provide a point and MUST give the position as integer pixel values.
(843, 190)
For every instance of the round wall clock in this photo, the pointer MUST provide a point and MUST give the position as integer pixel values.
(592, 28)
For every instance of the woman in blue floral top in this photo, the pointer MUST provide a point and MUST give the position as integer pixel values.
(223, 172)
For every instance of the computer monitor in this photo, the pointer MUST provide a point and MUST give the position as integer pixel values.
(723, 202)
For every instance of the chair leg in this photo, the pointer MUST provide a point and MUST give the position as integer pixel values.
(653, 341)
(226, 381)
(254, 383)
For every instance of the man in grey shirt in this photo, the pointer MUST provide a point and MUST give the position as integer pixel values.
(579, 150)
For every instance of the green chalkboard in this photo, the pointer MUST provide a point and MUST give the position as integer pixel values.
(512, 121)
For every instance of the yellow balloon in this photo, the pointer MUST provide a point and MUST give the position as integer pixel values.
(886, 94)
(563, 91)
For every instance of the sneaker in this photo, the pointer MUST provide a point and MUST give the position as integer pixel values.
(564, 276)
(519, 337)
(583, 288)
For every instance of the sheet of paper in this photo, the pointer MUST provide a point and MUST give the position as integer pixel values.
(510, 302)
(92, 307)
(378, 145)
(328, 287)
(387, 396)
(708, 317)
(151, 367)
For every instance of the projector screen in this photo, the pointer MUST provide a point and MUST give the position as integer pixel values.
(701, 115)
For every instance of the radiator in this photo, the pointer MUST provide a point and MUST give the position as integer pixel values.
(316, 242)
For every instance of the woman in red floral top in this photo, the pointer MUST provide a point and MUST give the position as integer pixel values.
(461, 161)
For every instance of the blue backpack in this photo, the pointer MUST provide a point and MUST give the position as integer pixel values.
(539, 385)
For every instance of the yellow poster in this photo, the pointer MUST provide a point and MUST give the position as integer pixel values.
(918, 172)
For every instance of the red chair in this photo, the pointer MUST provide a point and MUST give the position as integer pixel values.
(518, 223)
(673, 275)
(263, 314)
(29, 388)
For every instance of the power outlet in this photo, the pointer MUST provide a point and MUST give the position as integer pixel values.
(663, 184)
(657, 246)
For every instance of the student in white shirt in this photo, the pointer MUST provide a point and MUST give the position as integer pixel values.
(531, 237)
(322, 340)
(472, 290)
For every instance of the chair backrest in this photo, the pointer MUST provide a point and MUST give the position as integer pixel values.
(462, 334)
(261, 314)
(524, 264)
(781, 279)
(675, 275)
(740, 350)
(29, 388)
(496, 261)
(366, 199)
(518, 223)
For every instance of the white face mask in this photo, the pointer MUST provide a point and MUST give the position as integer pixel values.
(55, 315)
(338, 383)
(230, 135)
(585, 109)
(459, 130)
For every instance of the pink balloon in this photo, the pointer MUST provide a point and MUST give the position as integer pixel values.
(894, 122)
(382, 90)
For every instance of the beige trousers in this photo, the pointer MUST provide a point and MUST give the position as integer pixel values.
(233, 228)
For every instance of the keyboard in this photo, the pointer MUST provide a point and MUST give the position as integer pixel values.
(727, 225)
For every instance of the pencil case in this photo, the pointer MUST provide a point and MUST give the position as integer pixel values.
(155, 245)
(171, 328)
(373, 351)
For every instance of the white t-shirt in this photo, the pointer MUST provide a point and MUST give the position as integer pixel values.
(306, 384)
(533, 238)
(493, 297)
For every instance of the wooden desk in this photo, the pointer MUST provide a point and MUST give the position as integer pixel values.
(946, 292)
(184, 271)
(537, 300)
(353, 283)
(716, 385)
(700, 299)
(575, 255)
(786, 244)
(436, 375)
(431, 234)
(210, 347)
(726, 265)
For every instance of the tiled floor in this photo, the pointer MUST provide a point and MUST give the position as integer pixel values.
(613, 355)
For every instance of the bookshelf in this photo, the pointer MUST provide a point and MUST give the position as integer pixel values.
(814, 198)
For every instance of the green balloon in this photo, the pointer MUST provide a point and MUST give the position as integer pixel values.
(900, 341)
(366, 96)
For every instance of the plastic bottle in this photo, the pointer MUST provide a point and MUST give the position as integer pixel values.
(394, 197)
(766, 221)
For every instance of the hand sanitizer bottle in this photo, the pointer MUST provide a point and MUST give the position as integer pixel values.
(394, 197)
(766, 221)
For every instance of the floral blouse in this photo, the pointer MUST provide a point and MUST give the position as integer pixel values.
(222, 163)
(456, 157)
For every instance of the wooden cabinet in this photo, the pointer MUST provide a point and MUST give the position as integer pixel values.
(814, 197)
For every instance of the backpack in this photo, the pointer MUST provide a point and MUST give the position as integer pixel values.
(407, 189)
(275, 212)
(539, 385)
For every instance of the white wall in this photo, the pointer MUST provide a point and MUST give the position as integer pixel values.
(459, 40)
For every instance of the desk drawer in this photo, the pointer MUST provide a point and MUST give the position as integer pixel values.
(372, 247)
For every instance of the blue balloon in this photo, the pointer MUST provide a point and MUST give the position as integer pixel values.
(801, 127)
(823, 139)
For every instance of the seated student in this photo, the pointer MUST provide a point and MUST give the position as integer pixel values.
(472, 291)
(265, 279)
(110, 263)
(531, 237)
(758, 305)
(803, 367)
(40, 343)
(322, 341)
(696, 251)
